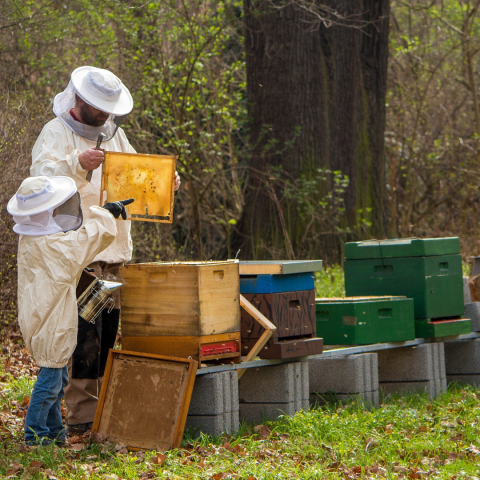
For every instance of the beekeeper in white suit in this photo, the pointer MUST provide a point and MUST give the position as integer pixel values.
(53, 249)
(95, 102)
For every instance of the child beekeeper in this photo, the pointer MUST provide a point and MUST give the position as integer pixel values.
(53, 249)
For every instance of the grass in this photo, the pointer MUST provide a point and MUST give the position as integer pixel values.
(330, 282)
(406, 437)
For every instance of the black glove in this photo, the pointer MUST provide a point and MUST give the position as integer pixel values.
(118, 208)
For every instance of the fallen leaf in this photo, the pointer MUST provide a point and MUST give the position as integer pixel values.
(422, 429)
(159, 459)
(218, 476)
(77, 447)
(35, 465)
(399, 469)
(263, 431)
(473, 449)
(452, 456)
(284, 436)
(97, 438)
(228, 447)
(75, 439)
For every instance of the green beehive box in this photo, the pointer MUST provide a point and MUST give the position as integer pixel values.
(364, 320)
(442, 328)
(428, 270)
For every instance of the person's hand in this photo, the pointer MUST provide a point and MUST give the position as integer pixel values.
(91, 159)
(118, 208)
(177, 182)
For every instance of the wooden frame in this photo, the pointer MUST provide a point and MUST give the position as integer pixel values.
(112, 386)
(145, 183)
(185, 346)
(265, 323)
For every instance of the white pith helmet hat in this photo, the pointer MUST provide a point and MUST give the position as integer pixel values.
(102, 89)
(39, 194)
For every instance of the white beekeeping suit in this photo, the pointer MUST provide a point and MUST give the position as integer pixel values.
(53, 249)
(61, 141)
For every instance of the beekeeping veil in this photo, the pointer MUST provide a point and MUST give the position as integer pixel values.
(46, 205)
(100, 89)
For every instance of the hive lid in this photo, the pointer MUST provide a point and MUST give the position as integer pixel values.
(184, 264)
(149, 179)
(402, 247)
(144, 399)
(279, 267)
(330, 300)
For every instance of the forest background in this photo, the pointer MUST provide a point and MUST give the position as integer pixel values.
(192, 68)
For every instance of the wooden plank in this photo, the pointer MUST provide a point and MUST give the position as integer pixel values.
(187, 397)
(267, 324)
(279, 267)
(219, 290)
(179, 346)
(259, 317)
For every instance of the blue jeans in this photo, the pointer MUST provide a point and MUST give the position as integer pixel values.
(44, 417)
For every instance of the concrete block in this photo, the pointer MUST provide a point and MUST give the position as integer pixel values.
(463, 357)
(257, 412)
(369, 399)
(214, 394)
(432, 387)
(472, 311)
(412, 364)
(284, 383)
(467, 379)
(467, 296)
(345, 374)
(214, 424)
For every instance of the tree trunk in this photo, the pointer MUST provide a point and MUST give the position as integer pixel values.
(316, 99)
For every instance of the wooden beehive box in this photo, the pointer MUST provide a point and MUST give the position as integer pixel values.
(428, 270)
(182, 309)
(283, 291)
(365, 320)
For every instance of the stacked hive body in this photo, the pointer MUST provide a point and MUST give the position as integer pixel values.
(427, 270)
(365, 320)
(188, 309)
(284, 291)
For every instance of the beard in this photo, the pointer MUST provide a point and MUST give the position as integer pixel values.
(92, 118)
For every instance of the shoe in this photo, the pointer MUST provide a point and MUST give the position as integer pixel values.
(43, 442)
(79, 428)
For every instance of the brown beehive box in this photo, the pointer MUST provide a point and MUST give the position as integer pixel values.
(191, 303)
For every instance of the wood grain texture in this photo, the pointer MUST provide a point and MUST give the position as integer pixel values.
(180, 346)
(180, 299)
(293, 313)
(279, 267)
(263, 322)
(136, 385)
(275, 348)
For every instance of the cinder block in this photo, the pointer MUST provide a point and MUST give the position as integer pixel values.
(472, 311)
(214, 394)
(468, 379)
(467, 295)
(412, 364)
(284, 383)
(369, 399)
(463, 357)
(214, 424)
(432, 387)
(346, 374)
(257, 412)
